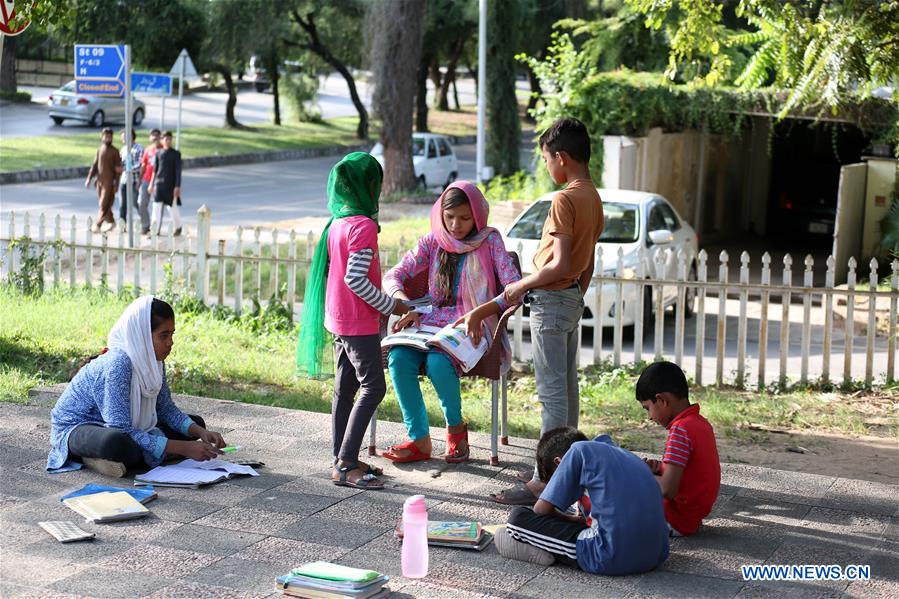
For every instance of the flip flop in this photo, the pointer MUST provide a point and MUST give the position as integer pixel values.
(415, 454)
(368, 481)
(525, 476)
(514, 496)
(373, 470)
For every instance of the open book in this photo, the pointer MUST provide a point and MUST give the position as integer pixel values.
(453, 341)
(191, 473)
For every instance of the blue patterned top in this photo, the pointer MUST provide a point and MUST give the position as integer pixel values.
(100, 394)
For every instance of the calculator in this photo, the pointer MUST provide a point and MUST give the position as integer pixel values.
(65, 531)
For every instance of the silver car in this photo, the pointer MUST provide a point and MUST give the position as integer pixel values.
(65, 104)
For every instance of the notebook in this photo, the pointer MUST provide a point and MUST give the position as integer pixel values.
(107, 507)
(145, 495)
(193, 474)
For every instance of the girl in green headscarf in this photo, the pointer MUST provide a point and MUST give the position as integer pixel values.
(343, 295)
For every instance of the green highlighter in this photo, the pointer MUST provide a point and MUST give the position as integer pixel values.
(230, 448)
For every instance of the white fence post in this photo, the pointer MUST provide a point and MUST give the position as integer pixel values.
(680, 306)
(120, 262)
(223, 273)
(57, 252)
(872, 322)
(702, 277)
(807, 279)
(154, 258)
(292, 270)
(619, 305)
(518, 319)
(763, 319)
(640, 307)
(276, 255)
(597, 307)
(660, 261)
(73, 255)
(850, 322)
(722, 318)
(238, 272)
(89, 255)
(41, 235)
(12, 264)
(257, 274)
(204, 221)
(785, 319)
(828, 319)
(741, 323)
(894, 315)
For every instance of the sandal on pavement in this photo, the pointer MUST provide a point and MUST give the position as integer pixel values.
(525, 476)
(453, 454)
(415, 454)
(369, 469)
(368, 481)
(514, 496)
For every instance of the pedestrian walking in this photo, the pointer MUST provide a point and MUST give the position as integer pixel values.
(131, 162)
(107, 168)
(166, 183)
(146, 177)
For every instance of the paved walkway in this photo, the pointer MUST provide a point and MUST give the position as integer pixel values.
(234, 538)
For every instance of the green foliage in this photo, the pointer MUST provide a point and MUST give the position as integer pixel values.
(300, 89)
(504, 19)
(17, 96)
(889, 229)
(28, 279)
(523, 186)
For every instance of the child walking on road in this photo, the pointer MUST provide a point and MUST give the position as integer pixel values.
(343, 295)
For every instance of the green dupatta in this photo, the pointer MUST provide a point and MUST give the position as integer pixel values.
(353, 189)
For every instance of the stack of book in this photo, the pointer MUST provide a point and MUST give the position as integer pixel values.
(145, 495)
(107, 507)
(324, 580)
(461, 535)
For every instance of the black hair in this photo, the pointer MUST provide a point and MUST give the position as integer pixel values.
(106, 130)
(155, 131)
(167, 134)
(661, 377)
(160, 312)
(567, 135)
(554, 444)
(448, 262)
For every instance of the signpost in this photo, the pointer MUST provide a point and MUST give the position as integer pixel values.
(7, 15)
(183, 67)
(100, 70)
(157, 84)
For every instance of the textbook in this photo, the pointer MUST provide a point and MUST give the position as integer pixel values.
(452, 340)
(192, 474)
(144, 495)
(107, 507)
(324, 580)
(463, 535)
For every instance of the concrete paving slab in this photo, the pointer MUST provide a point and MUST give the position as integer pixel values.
(344, 533)
(35, 571)
(862, 496)
(213, 541)
(182, 510)
(290, 503)
(192, 590)
(244, 575)
(161, 561)
(287, 553)
(249, 520)
(102, 583)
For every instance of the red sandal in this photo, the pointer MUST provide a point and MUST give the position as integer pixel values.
(452, 455)
(415, 454)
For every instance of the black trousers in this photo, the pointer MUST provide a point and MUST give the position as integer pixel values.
(358, 360)
(552, 534)
(92, 441)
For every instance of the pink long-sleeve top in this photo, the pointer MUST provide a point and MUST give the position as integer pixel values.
(423, 257)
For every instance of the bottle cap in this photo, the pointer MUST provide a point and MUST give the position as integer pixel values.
(415, 505)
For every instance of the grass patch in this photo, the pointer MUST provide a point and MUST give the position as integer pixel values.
(42, 340)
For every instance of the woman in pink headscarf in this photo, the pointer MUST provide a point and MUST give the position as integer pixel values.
(467, 265)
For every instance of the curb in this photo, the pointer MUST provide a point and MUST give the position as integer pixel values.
(75, 172)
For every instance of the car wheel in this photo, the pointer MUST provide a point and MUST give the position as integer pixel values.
(422, 182)
(451, 179)
(690, 295)
(57, 119)
(261, 87)
(99, 119)
(138, 117)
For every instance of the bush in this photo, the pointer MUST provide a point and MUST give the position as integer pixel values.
(300, 89)
(520, 186)
(16, 96)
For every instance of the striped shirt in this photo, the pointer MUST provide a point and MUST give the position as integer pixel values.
(356, 278)
(678, 447)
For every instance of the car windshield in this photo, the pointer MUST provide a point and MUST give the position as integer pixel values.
(68, 87)
(621, 223)
(418, 146)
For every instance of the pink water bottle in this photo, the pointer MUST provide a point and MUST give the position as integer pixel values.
(415, 537)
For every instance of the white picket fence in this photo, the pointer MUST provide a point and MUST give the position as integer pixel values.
(257, 263)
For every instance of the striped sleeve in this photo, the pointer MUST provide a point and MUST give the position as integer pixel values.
(357, 280)
(678, 447)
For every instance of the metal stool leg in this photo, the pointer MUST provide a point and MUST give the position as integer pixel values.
(494, 423)
(372, 434)
(504, 387)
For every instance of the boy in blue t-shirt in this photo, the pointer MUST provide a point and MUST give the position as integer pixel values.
(621, 526)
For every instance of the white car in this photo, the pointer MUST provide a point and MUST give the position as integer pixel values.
(64, 104)
(633, 219)
(433, 159)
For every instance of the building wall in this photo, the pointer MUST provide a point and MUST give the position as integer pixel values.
(44, 73)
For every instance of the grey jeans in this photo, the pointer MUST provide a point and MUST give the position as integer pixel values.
(358, 362)
(144, 205)
(554, 330)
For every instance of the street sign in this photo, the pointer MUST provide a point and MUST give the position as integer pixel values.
(100, 87)
(189, 72)
(96, 61)
(158, 84)
(7, 14)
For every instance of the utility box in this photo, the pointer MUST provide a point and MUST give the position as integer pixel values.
(879, 187)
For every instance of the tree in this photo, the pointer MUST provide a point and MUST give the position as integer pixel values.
(8, 63)
(504, 18)
(397, 27)
(331, 31)
(227, 46)
(819, 50)
(450, 26)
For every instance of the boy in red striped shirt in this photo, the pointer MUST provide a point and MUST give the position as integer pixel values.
(690, 472)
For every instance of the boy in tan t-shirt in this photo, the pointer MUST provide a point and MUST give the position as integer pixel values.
(555, 290)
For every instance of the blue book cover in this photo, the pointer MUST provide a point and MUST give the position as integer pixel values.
(143, 495)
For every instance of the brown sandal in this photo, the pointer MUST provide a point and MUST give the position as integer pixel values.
(453, 454)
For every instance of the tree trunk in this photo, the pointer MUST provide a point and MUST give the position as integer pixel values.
(397, 43)
(456, 93)
(276, 76)
(536, 93)
(503, 125)
(421, 95)
(8, 64)
(225, 72)
(450, 77)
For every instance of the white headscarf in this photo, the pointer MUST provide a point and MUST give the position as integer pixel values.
(132, 334)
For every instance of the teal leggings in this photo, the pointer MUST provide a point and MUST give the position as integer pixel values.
(404, 364)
